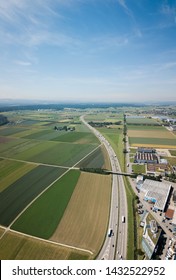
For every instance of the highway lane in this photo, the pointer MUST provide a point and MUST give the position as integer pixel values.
(115, 246)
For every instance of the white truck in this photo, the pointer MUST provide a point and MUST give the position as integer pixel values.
(110, 232)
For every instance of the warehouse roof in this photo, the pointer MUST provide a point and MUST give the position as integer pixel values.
(169, 213)
(158, 191)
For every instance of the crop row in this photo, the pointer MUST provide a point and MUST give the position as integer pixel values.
(43, 216)
(19, 194)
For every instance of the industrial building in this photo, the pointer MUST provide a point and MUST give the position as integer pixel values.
(156, 192)
(139, 181)
(174, 197)
(173, 127)
(174, 221)
(169, 214)
(146, 155)
(151, 236)
(145, 158)
(146, 150)
(158, 168)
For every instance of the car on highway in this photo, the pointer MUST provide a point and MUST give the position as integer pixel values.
(110, 232)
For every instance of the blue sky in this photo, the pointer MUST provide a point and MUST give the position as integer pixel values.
(88, 50)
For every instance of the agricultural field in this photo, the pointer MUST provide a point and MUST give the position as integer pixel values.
(61, 154)
(20, 193)
(98, 159)
(27, 248)
(96, 117)
(77, 137)
(152, 142)
(43, 216)
(160, 133)
(48, 152)
(151, 136)
(15, 146)
(142, 121)
(1, 231)
(146, 128)
(173, 153)
(171, 160)
(8, 131)
(12, 171)
(39, 188)
(84, 222)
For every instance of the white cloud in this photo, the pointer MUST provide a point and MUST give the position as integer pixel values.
(9, 9)
(122, 3)
(29, 24)
(129, 12)
(22, 63)
(168, 11)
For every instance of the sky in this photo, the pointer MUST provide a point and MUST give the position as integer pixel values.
(88, 50)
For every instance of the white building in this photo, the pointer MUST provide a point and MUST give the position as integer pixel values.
(156, 192)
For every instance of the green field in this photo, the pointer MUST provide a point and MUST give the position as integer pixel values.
(16, 146)
(77, 137)
(146, 127)
(155, 141)
(115, 137)
(141, 121)
(173, 152)
(12, 171)
(64, 154)
(138, 168)
(42, 134)
(171, 160)
(32, 139)
(48, 152)
(8, 131)
(43, 216)
(94, 160)
(19, 194)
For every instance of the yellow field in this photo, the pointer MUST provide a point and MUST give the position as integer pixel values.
(84, 223)
(153, 146)
(64, 121)
(15, 175)
(25, 133)
(14, 246)
(151, 134)
(1, 231)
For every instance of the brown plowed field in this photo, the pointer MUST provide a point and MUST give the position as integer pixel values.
(84, 223)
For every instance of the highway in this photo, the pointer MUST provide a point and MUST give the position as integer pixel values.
(115, 246)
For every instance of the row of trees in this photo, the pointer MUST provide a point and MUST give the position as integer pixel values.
(66, 128)
(101, 124)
